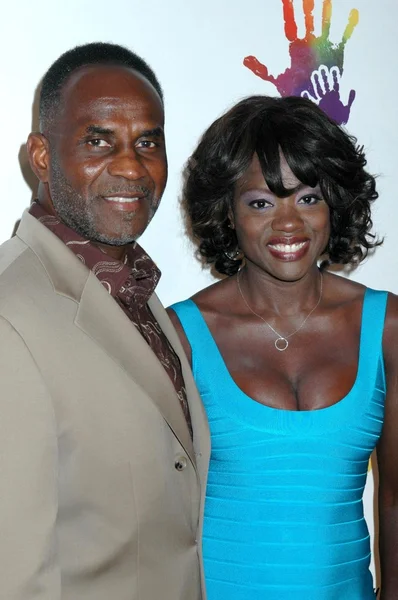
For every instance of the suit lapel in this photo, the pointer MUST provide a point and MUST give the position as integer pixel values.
(103, 320)
(100, 317)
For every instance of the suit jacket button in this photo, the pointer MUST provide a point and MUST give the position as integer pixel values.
(180, 463)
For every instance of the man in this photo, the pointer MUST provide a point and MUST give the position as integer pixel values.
(103, 441)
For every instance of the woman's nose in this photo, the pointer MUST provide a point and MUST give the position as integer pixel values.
(287, 218)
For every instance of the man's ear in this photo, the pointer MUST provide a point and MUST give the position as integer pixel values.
(38, 150)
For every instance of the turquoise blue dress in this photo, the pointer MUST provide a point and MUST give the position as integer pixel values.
(284, 514)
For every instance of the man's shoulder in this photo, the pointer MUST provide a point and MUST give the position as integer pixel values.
(20, 273)
(16, 256)
(10, 252)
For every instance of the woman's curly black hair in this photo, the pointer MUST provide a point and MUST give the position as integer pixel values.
(317, 151)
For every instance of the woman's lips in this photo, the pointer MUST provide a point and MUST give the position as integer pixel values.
(288, 250)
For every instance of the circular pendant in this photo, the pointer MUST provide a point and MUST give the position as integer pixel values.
(281, 344)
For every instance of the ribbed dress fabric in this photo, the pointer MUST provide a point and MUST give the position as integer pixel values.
(284, 514)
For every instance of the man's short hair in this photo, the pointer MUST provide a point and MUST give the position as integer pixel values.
(81, 56)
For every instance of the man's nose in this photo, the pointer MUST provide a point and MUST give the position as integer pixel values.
(127, 164)
(287, 218)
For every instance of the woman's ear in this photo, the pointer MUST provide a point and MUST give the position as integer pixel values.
(231, 218)
(39, 155)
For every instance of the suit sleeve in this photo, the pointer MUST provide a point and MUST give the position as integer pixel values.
(28, 476)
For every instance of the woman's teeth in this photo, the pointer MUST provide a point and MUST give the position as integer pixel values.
(287, 248)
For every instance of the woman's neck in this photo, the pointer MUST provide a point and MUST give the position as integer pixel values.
(267, 294)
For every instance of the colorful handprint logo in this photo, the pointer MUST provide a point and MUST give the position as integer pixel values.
(317, 64)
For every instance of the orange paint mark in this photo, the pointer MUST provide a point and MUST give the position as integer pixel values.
(326, 17)
(308, 7)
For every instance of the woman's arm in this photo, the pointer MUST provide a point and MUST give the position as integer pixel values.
(387, 458)
(181, 334)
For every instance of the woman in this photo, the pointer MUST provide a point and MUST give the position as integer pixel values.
(297, 366)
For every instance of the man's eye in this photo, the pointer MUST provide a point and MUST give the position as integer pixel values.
(98, 143)
(147, 144)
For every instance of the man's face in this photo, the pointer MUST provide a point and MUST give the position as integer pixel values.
(107, 158)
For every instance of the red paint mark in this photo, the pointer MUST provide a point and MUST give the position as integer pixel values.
(257, 68)
(290, 23)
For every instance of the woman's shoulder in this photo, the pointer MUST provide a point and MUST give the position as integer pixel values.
(349, 293)
(342, 293)
(211, 303)
(217, 297)
(203, 298)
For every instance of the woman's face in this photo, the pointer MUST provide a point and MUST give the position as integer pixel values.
(283, 237)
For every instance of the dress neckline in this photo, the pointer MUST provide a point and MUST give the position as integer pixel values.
(242, 407)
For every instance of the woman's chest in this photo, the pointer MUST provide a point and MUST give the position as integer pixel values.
(315, 371)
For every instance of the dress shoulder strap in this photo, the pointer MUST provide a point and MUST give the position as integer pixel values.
(206, 358)
(373, 317)
(372, 328)
(191, 320)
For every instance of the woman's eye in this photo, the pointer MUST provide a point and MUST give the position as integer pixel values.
(259, 203)
(309, 199)
(98, 143)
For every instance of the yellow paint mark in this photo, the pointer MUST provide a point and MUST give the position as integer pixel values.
(353, 21)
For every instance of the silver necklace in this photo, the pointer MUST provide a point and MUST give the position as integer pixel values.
(281, 342)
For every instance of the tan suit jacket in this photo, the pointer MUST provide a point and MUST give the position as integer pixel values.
(101, 487)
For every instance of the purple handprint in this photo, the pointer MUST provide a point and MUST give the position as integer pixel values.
(326, 93)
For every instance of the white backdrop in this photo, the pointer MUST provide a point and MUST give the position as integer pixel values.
(197, 50)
